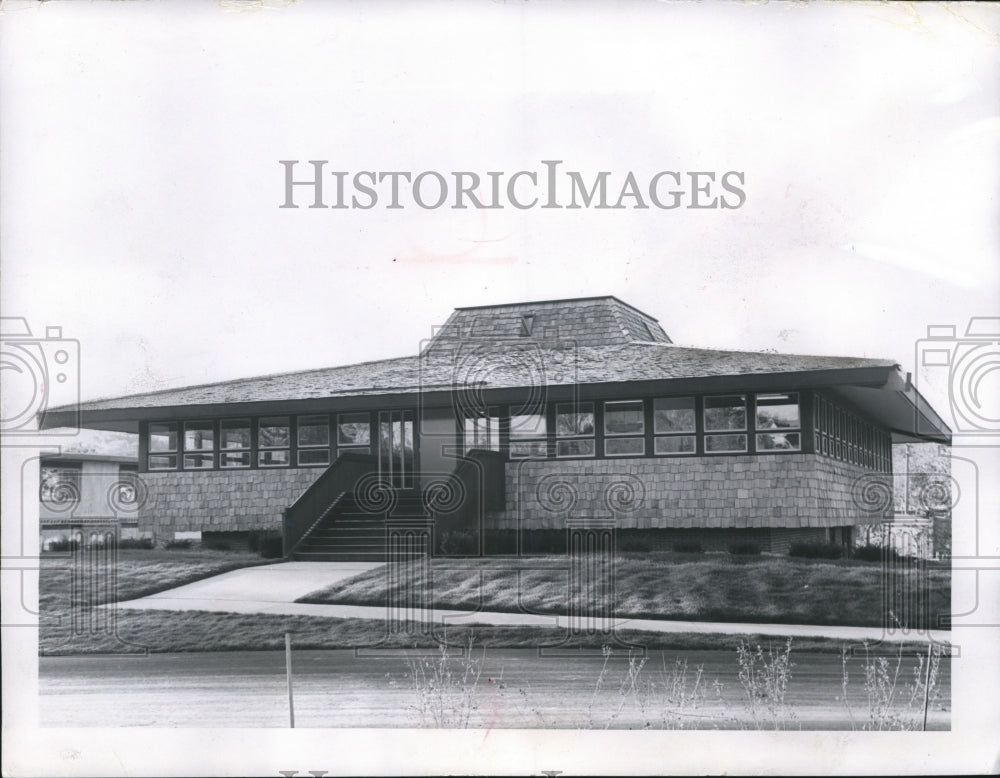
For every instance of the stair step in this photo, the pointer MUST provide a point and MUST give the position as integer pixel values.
(366, 540)
(338, 556)
(348, 533)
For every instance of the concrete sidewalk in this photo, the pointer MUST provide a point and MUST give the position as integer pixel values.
(249, 587)
(274, 589)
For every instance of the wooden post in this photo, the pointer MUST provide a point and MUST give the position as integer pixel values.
(927, 678)
(288, 674)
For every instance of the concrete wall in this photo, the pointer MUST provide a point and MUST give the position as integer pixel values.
(749, 491)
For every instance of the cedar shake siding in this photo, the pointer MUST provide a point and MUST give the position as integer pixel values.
(220, 500)
(791, 491)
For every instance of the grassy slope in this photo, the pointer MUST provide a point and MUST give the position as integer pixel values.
(172, 631)
(671, 586)
(146, 572)
(139, 573)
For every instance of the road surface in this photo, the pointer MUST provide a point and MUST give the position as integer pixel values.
(516, 688)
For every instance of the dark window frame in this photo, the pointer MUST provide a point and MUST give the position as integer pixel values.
(211, 451)
(798, 430)
(845, 434)
(545, 437)
(493, 412)
(273, 449)
(576, 409)
(149, 454)
(617, 437)
(676, 434)
(237, 450)
(370, 421)
(746, 431)
(311, 448)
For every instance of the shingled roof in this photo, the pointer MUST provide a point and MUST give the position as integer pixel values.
(491, 364)
(600, 345)
(586, 321)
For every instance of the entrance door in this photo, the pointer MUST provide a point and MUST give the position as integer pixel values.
(395, 447)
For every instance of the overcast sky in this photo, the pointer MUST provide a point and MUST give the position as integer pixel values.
(140, 179)
(140, 184)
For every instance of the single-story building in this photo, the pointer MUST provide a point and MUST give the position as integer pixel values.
(83, 492)
(515, 424)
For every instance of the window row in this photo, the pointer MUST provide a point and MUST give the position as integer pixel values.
(237, 443)
(843, 435)
(677, 427)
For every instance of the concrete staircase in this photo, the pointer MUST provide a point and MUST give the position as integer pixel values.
(349, 534)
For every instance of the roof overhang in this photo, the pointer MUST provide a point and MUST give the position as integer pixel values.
(879, 392)
(72, 456)
(900, 407)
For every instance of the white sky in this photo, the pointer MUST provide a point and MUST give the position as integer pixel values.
(140, 177)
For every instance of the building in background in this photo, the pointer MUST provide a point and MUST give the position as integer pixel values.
(88, 493)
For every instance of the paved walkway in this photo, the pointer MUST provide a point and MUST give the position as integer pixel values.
(263, 589)
(274, 589)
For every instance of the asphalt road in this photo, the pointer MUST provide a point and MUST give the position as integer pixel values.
(516, 688)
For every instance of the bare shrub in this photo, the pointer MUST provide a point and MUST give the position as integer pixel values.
(632, 688)
(681, 694)
(445, 686)
(891, 704)
(764, 678)
(671, 699)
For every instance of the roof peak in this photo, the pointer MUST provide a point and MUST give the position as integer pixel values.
(558, 300)
(586, 321)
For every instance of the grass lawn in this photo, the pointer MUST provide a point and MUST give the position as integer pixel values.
(138, 573)
(702, 587)
(184, 631)
(141, 572)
